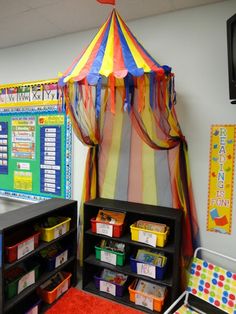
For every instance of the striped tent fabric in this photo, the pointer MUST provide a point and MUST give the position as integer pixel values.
(121, 102)
(114, 50)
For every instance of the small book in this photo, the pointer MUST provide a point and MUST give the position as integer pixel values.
(155, 259)
(152, 226)
(112, 245)
(113, 277)
(110, 217)
(151, 289)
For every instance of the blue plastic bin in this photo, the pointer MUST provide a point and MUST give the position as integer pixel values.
(160, 271)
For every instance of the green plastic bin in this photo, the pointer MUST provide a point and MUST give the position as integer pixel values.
(12, 286)
(120, 257)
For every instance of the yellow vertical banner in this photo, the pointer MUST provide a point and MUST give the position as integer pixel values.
(221, 178)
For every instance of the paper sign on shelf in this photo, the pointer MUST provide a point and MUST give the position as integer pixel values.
(26, 281)
(108, 257)
(147, 237)
(61, 259)
(104, 229)
(146, 270)
(144, 301)
(35, 310)
(25, 247)
(62, 288)
(59, 231)
(107, 287)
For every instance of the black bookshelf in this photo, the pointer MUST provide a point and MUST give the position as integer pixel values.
(29, 216)
(134, 211)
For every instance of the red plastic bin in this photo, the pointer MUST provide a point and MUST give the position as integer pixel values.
(117, 229)
(29, 241)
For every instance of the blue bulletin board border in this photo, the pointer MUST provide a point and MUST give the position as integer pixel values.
(67, 179)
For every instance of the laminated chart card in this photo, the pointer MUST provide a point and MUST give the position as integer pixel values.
(35, 142)
(3, 148)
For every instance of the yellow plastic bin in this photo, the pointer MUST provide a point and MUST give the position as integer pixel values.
(141, 235)
(49, 234)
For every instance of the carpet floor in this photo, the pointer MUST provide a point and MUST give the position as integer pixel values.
(76, 301)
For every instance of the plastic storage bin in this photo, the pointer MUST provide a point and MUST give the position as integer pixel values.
(119, 257)
(157, 302)
(106, 228)
(110, 287)
(20, 244)
(61, 256)
(49, 234)
(161, 237)
(19, 278)
(50, 296)
(34, 307)
(159, 270)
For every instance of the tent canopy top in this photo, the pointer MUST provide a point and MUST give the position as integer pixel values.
(113, 51)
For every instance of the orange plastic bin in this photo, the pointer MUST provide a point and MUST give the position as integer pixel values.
(50, 296)
(157, 302)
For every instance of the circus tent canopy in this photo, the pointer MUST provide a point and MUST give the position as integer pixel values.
(114, 50)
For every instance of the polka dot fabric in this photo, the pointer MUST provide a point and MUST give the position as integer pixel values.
(213, 284)
(185, 310)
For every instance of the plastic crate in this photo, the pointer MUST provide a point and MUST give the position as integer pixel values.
(161, 237)
(120, 257)
(21, 244)
(21, 281)
(105, 228)
(159, 270)
(50, 296)
(112, 288)
(34, 308)
(157, 302)
(51, 263)
(49, 234)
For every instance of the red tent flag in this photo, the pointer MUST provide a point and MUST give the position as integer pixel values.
(113, 2)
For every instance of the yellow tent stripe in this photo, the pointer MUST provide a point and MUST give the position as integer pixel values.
(86, 55)
(109, 185)
(148, 161)
(141, 63)
(107, 63)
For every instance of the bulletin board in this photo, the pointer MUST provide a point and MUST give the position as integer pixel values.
(35, 142)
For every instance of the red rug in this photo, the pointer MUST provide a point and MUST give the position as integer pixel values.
(76, 301)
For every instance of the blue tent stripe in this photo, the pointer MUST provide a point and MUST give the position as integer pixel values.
(128, 58)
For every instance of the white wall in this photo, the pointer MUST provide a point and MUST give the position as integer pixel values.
(193, 42)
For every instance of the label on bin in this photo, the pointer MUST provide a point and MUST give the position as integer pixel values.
(59, 231)
(26, 281)
(62, 288)
(147, 237)
(107, 287)
(108, 257)
(34, 310)
(104, 229)
(25, 247)
(62, 258)
(144, 301)
(146, 270)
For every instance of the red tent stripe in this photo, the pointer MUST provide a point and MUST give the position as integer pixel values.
(118, 55)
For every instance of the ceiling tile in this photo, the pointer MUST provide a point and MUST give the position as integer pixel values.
(182, 4)
(31, 27)
(23, 21)
(40, 3)
(10, 8)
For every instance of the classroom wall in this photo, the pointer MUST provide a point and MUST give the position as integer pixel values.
(193, 42)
